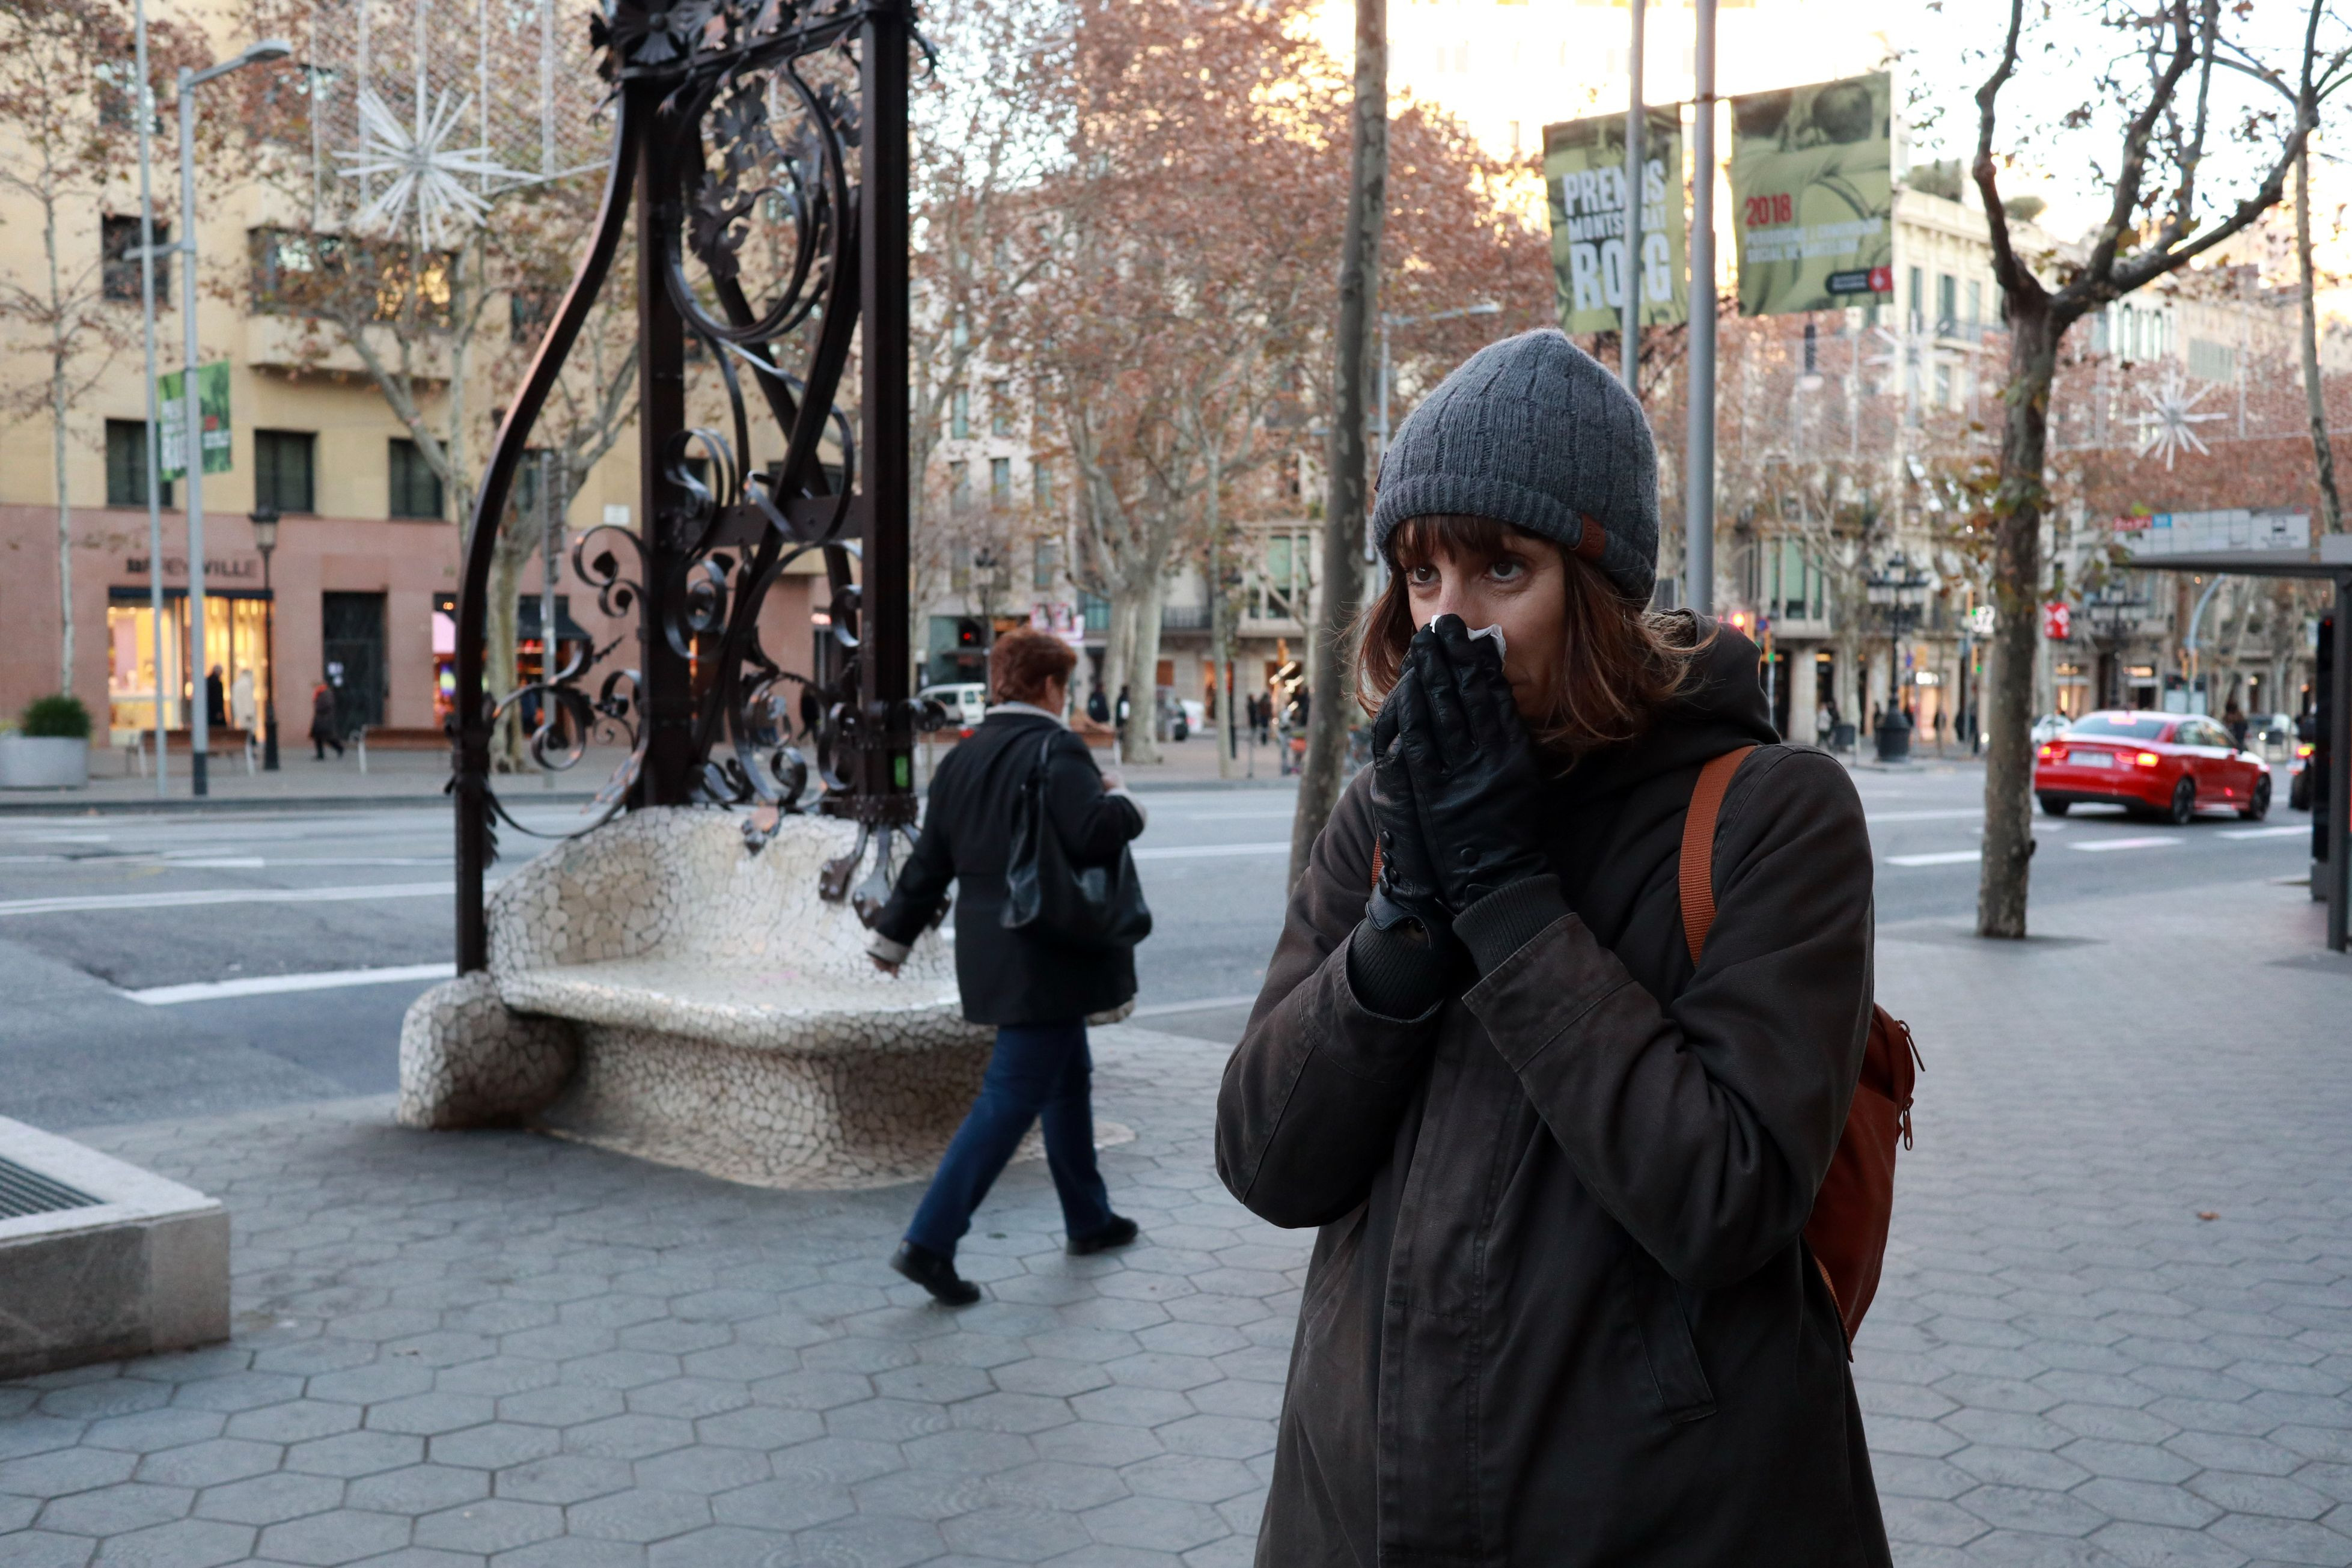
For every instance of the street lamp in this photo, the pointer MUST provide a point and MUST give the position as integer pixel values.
(264, 519)
(192, 427)
(1887, 588)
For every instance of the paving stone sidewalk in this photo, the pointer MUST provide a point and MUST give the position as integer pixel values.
(459, 1349)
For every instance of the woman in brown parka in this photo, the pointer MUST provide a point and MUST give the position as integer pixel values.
(1559, 1310)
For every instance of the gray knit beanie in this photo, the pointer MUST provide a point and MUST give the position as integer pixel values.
(1534, 433)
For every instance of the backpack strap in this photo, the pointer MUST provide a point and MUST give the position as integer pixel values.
(1697, 862)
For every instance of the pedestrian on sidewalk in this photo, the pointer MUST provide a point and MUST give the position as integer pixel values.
(1038, 993)
(1560, 1312)
(322, 723)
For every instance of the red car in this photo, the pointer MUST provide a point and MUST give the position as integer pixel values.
(2152, 764)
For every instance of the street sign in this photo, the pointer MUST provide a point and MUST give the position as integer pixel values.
(212, 402)
(1981, 622)
(2057, 621)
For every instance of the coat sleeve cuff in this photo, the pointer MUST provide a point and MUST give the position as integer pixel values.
(889, 952)
(1507, 919)
(1396, 976)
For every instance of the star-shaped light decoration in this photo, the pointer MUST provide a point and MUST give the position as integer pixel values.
(436, 181)
(2169, 425)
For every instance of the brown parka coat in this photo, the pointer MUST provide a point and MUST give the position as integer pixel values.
(1560, 1312)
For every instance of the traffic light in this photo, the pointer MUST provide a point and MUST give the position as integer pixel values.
(970, 635)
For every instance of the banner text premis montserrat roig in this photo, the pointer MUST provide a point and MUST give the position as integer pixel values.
(1584, 184)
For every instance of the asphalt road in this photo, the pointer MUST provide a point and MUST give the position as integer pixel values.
(135, 951)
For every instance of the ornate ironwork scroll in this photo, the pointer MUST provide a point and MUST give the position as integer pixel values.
(771, 207)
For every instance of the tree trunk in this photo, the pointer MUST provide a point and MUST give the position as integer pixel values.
(1342, 588)
(1141, 674)
(1221, 650)
(2017, 590)
(2322, 453)
(503, 639)
(58, 412)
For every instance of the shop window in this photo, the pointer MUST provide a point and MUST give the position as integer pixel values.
(416, 489)
(236, 644)
(283, 468)
(126, 465)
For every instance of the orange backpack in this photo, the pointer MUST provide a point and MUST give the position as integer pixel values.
(1847, 1232)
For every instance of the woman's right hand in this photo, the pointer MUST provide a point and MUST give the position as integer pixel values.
(1475, 780)
(1407, 888)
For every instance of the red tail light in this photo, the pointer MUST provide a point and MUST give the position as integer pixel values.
(2148, 760)
(2047, 752)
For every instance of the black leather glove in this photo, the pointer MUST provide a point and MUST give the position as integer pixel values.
(1407, 888)
(1476, 779)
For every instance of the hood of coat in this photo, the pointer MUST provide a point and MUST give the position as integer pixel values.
(1724, 709)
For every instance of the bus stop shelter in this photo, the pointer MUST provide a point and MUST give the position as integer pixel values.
(2330, 560)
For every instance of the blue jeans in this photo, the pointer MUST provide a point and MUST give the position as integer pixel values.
(1037, 1072)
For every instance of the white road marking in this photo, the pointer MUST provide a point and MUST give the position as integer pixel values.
(198, 897)
(1209, 851)
(278, 984)
(2099, 846)
(1953, 814)
(1945, 857)
(221, 863)
(2289, 833)
(1206, 1004)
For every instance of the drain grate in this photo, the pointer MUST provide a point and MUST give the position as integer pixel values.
(24, 1190)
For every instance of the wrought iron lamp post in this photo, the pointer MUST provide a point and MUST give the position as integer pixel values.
(264, 519)
(1888, 588)
(733, 117)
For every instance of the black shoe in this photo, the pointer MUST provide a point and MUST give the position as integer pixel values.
(1118, 1233)
(935, 1275)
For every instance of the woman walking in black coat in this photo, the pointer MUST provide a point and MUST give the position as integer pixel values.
(1038, 995)
(1560, 1312)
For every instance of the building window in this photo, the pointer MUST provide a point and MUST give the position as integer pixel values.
(959, 485)
(2211, 361)
(1041, 486)
(296, 273)
(1947, 306)
(1046, 564)
(126, 465)
(119, 270)
(283, 467)
(416, 489)
(1000, 408)
(1918, 300)
(1976, 304)
(960, 413)
(999, 481)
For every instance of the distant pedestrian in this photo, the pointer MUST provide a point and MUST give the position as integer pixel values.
(1824, 720)
(2233, 719)
(241, 703)
(323, 733)
(1122, 707)
(1038, 994)
(1560, 1312)
(1097, 706)
(215, 699)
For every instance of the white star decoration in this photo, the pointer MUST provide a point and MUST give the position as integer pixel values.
(2168, 426)
(436, 180)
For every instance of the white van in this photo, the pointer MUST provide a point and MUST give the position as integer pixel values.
(966, 702)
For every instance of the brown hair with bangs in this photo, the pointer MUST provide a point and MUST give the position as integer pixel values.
(1625, 662)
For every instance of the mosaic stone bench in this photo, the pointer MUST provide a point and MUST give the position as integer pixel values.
(658, 988)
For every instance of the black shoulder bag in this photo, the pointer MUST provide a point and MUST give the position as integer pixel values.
(1090, 908)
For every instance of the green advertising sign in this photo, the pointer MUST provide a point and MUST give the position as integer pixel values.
(212, 402)
(1584, 185)
(1813, 195)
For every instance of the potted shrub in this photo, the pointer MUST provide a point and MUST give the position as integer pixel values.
(50, 748)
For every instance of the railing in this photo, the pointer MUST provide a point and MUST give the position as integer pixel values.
(760, 235)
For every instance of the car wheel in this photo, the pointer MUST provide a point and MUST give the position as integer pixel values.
(2259, 807)
(2298, 793)
(2051, 805)
(2184, 803)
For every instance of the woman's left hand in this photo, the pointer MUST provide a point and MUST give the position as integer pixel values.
(1477, 781)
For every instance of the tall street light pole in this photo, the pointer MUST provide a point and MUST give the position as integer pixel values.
(154, 475)
(264, 519)
(192, 453)
(1698, 487)
(1636, 117)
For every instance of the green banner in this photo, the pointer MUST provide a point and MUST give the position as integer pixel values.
(1813, 195)
(1584, 184)
(212, 402)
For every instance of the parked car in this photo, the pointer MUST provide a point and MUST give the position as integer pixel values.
(2050, 726)
(966, 702)
(2151, 763)
(2272, 734)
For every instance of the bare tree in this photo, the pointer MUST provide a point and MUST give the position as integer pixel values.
(69, 101)
(2149, 232)
(1341, 589)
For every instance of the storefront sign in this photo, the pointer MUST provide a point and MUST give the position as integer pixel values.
(1813, 195)
(212, 403)
(248, 569)
(1584, 182)
(2057, 622)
